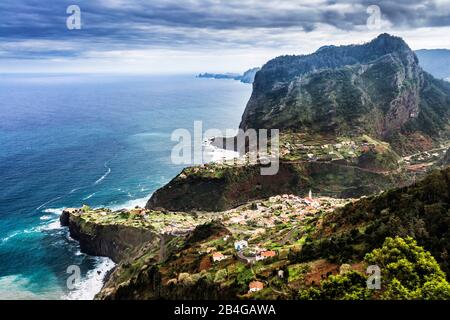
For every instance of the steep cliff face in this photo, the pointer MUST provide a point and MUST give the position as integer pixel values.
(115, 241)
(150, 277)
(310, 243)
(234, 186)
(377, 88)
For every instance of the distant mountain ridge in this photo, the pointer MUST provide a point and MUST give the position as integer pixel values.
(377, 88)
(247, 77)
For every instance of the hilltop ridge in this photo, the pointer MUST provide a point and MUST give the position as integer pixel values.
(377, 88)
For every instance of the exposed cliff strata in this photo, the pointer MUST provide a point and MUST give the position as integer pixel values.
(374, 98)
(233, 186)
(148, 278)
(115, 241)
(377, 89)
(310, 242)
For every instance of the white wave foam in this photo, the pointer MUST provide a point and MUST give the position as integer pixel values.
(92, 283)
(12, 235)
(73, 190)
(56, 211)
(141, 202)
(89, 196)
(108, 171)
(48, 202)
(54, 225)
(45, 218)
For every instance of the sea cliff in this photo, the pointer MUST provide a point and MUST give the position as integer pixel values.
(356, 122)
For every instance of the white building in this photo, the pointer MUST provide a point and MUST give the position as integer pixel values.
(239, 245)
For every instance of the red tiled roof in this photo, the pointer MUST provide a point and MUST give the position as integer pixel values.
(268, 253)
(217, 255)
(256, 285)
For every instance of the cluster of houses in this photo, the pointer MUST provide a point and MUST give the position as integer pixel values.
(261, 254)
(263, 216)
(309, 200)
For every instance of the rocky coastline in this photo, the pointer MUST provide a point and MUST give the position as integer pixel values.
(365, 138)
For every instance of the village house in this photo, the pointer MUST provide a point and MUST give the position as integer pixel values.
(240, 245)
(265, 254)
(255, 286)
(217, 256)
(268, 254)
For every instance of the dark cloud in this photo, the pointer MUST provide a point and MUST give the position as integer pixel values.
(111, 24)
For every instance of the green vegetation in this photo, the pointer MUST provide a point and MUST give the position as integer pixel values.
(407, 272)
(377, 89)
(420, 210)
(346, 114)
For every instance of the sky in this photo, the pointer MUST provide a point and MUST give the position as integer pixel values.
(190, 36)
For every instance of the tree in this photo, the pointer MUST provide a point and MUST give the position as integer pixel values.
(348, 286)
(407, 272)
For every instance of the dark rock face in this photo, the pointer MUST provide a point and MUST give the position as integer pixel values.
(116, 242)
(147, 280)
(377, 88)
(239, 185)
(148, 285)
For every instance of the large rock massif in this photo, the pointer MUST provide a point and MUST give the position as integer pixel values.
(354, 120)
(377, 89)
(233, 186)
(373, 97)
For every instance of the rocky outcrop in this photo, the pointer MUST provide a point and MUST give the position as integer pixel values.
(235, 186)
(377, 89)
(147, 277)
(115, 241)
(148, 284)
(247, 77)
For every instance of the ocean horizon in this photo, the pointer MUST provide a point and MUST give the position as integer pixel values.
(101, 140)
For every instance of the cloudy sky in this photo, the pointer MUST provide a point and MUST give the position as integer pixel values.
(172, 36)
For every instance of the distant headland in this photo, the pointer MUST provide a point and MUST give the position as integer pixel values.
(247, 77)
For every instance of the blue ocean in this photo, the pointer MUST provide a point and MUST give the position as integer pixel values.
(101, 140)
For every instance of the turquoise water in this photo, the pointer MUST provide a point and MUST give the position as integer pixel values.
(67, 140)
